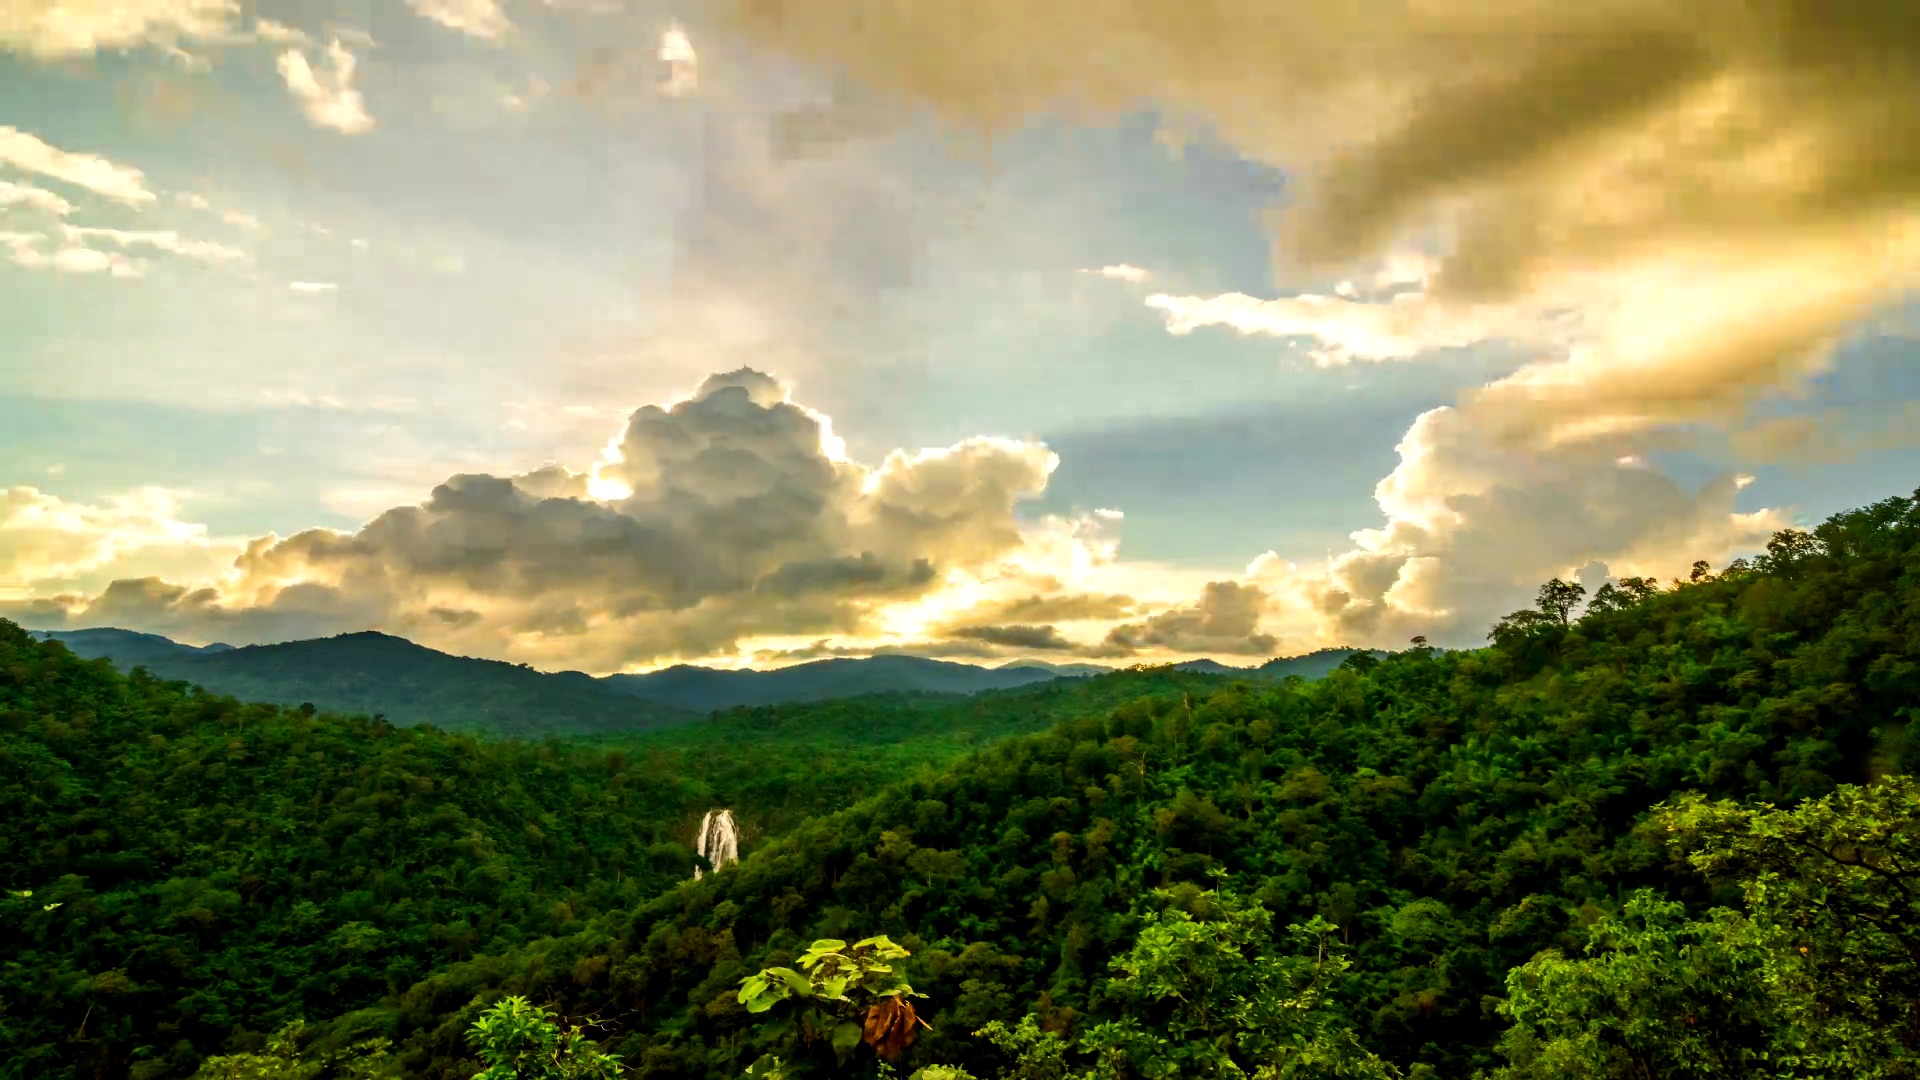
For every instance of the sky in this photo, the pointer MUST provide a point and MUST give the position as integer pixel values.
(606, 335)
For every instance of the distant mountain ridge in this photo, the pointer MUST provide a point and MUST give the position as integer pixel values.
(691, 687)
(372, 672)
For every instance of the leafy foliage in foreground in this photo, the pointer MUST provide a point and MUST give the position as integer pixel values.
(1454, 814)
(1814, 973)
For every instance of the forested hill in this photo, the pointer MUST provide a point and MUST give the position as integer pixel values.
(185, 874)
(1454, 814)
(180, 867)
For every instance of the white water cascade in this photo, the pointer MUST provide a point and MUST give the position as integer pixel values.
(718, 841)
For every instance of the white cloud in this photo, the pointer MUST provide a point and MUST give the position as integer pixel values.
(24, 249)
(27, 195)
(44, 539)
(160, 240)
(273, 33)
(85, 260)
(478, 18)
(683, 65)
(1556, 155)
(1473, 527)
(1396, 328)
(1133, 275)
(312, 286)
(239, 218)
(723, 518)
(30, 153)
(328, 98)
(51, 29)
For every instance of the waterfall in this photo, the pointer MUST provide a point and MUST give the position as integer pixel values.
(718, 841)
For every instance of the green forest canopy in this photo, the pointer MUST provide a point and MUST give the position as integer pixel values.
(1483, 843)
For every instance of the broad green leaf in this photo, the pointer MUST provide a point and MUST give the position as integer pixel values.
(799, 983)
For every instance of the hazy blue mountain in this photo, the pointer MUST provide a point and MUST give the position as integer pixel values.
(1313, 665)
(1211, 667)
(1059, 669)
(125, 648)
(706, 689)
(378, 673)
(411, 684)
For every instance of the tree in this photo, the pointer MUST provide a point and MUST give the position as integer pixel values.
(283, 1058)
(1557, 599)
(1788, 551)
(1817, 975)
(1207, 991)
(522, 1041)
(844, 995)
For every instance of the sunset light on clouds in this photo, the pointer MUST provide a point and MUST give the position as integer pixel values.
(608, 336)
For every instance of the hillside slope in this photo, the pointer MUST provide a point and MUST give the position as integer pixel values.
(1453, 813)
(199, 867)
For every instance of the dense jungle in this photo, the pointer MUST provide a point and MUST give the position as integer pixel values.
(1664, 830)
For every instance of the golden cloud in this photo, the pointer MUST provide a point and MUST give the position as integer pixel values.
(727, 516)
(1560, 154)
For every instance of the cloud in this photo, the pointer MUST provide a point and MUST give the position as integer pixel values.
(1058, 607)
(1473, 526)
(728, 516)
(1036, 638)
(1833, 436)
(1679, 208)
(26, 195)
(46, 539)
(825, 649)
(683, 65)
(159, 240)
(274, 33)
(1226, 619)
(1130, 274)
(29, 153)
(52, 29)
(312, 286)
(24, 249)
(72, 255)
(477, 18)
(229, 216)
(84, 260)
(1395, 329)
(328, 99)
(1559, 156)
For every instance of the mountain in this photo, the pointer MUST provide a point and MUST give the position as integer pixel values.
(127, 648)
(1544, 822)
(1058, 669)
(707, 689)
(377, 673)
(1211, 667)
(369, 856)
(1464, 828)
(411, 684)
(1311, 666)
